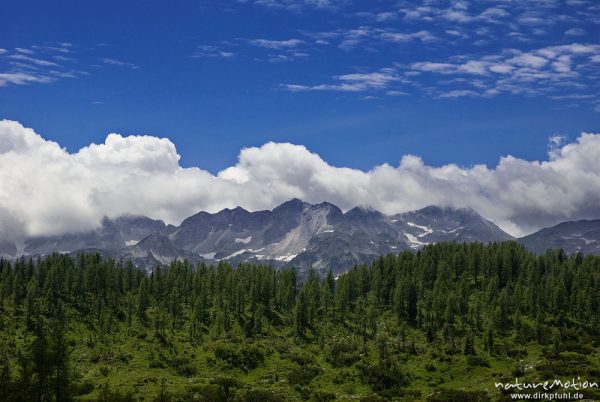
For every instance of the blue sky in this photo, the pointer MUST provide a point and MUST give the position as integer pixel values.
(360, 83)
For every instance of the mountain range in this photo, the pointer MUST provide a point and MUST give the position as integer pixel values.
(298, 234)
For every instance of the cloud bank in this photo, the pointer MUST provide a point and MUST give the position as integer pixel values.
(46, 190)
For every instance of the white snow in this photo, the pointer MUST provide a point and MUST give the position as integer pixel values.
(426, 229)
(242, 251)
(414, 241)
(131, 242)
(209, 256)
(244, 240)
(328, 231)
(286, 258)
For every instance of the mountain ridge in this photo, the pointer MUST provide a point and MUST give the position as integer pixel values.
(300, 234)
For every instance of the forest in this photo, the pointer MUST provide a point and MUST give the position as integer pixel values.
(444, 323)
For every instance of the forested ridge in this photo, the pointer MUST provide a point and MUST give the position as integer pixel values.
(440, 324)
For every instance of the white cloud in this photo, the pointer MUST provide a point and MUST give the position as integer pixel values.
(277, 44)
(21, 78)
(457, 13)
(23, 50)
(458, 93)
(32, 60)
(539, 71)
(300, 5)
(210, 51)
(119, 63)
(424, 36)
(357, 82)
(528, 60)
(47, 190)
(24, 69)
(575, 32)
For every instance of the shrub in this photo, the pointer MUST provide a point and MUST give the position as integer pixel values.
(342, 354)
(106, 394)
(386, 376)
(182, 366)
(244, 357)
(220, 389)
(303, 375)
(322, 396)
(261, 395)
(477, 361)
(301, 358)
(455, 395)
(154, 363)
(372, 398)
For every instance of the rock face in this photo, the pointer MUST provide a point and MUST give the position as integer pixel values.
(434, 224)
(295, 233)
(572, 237)
(112, 235)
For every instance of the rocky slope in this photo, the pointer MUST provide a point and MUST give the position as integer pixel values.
(295, 233)
(572, 237)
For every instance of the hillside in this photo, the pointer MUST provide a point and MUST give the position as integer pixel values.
(441, 325)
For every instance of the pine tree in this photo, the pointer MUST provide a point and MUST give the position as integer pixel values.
(469, 345)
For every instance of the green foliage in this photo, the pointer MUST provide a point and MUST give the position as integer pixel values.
(453, 395)
(342, 352)
(302, 375)
(477, 361)
(458, 316)
(237, 356)
(385, 376)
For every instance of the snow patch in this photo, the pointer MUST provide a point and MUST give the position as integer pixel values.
(242, 251)
(244, 240)
(414, 242)
(425, 229)
(286, 258)
(131, 242)
(208, 256)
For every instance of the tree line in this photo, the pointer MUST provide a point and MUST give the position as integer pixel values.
(462, 296)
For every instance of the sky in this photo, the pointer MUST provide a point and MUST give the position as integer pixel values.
(457, 88)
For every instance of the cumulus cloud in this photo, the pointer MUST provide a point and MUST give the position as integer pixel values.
(47, 190)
